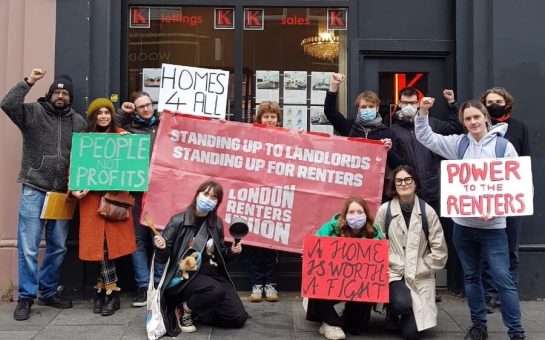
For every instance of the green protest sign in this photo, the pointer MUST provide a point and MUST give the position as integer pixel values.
(109, 161)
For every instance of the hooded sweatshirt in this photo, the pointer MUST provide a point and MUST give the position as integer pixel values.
(47, 138)
(447, 147)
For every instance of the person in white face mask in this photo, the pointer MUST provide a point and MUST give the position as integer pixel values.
(354, 220)
(427, 164)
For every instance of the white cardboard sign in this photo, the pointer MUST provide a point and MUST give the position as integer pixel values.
(192, 90)
(494, 187)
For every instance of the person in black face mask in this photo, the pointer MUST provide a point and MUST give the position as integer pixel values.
(499, 103)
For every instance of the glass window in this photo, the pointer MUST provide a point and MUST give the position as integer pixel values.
(288, 60)
(175, 35)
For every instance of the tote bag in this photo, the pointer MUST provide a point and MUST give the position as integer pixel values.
(155, 325)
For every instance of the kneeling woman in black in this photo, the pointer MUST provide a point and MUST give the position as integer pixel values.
(208, 293)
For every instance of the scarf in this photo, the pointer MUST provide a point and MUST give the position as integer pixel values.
(151, 122)
(365, 127)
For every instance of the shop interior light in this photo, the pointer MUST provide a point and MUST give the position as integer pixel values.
(323, 46)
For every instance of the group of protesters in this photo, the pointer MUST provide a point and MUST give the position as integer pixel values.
(484, 249)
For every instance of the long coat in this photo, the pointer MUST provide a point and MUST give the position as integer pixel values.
(93, 228)
(415, 258)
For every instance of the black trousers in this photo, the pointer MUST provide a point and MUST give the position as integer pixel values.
(213, 299)
(262, 263)
(354, 319)
(400, 309)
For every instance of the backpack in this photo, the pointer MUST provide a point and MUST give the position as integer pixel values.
(501, 145)
(425, 226)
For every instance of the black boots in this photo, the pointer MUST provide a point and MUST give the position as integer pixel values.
(106, 300)
(111, 303)
(98, 301)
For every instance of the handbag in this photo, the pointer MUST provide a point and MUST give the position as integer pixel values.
(116, 205)
(155, 325)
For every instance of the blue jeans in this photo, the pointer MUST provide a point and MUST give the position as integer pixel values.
(144, 246)
(140, 258)
(471, 244)
(29, 235)
(513, 228)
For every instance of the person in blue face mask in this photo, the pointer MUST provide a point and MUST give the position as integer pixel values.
(354, 220)
(366, 123)
(207, 293)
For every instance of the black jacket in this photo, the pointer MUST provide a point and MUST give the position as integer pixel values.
(517, 134)
(345, 127)
(426, 163)
(177, 234)
(47, 138)
(126, 121)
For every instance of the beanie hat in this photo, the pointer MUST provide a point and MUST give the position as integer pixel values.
(63, 82)
(99, 103)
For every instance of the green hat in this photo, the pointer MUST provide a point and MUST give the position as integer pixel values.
(99, 103)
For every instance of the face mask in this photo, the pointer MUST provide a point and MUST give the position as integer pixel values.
(204, 204)
(496, 110)
(368, 114)
(356, 221)
(408, 111)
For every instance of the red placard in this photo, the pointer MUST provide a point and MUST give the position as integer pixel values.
(285, 184)
(345, 269)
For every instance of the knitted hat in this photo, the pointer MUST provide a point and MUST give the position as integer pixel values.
(99, 103)
(63, 82)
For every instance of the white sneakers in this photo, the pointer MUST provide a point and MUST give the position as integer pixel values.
(257, 293)
(331, 332)
(271, 295)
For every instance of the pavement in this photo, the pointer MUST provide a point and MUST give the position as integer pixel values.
(281, 320)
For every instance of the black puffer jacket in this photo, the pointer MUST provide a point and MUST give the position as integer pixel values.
(179, 231)
(47, 138)
(426, 163)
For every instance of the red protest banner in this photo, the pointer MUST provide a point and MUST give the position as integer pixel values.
(345, 269)
(285, 184)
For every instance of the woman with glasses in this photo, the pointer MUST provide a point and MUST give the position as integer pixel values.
(484, 236)
(417, 249)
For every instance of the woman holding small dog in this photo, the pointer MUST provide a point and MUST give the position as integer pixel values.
(198, 285)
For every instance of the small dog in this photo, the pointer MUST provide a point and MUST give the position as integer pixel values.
(188, 264)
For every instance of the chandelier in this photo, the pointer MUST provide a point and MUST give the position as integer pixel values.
(323, 46)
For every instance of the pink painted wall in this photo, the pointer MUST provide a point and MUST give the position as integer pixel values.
(27, 38)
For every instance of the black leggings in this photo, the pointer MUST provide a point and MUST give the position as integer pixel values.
(400, 309)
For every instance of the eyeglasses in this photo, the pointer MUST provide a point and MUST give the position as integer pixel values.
(145, 106)
(406, 180)
(404, 102)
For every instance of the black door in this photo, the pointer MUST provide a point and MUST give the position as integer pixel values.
(387, 74)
